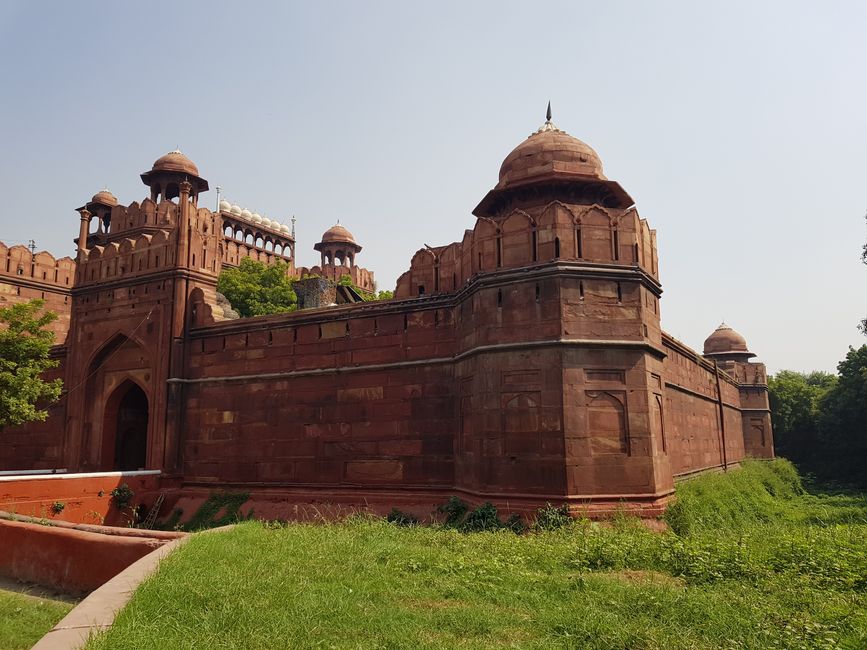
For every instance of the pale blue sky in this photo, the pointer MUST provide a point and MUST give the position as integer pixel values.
(739, 128)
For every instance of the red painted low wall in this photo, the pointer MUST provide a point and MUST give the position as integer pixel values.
(86, 498)
(66, 558)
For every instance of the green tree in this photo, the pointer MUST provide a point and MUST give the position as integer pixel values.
(256, 289)
(795, 400)
(24, 347)
(843, 419)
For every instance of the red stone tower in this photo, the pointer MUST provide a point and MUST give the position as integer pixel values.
(560, 376)
(729, 350)
(127, 336)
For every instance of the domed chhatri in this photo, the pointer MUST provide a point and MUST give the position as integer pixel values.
(175, 161)
(551, 157)
(170, 169)
(337, 234)
(104, 197)
(726, 343)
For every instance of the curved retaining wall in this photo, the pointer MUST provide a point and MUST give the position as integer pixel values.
(67, 558)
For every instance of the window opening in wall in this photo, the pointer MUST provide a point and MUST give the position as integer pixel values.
(44, 275)
(499, 251)
(436, 278)
(480, 261)
(270, 337)
(454, 281)
(224, 342)
(347, 328)
(556, 247)
(194, 259)
(375, 327)
(405, 322)
(616, 240)
(535, 252)
(320, 331)
(635, 253)
(295, 336)
(538, 293)
(581, 289)
(619, 293)
(421, 289)
(499, 298)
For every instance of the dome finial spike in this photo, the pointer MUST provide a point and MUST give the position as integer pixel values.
(548, 114)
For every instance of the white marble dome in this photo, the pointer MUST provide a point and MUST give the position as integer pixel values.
(256, 218)
(246, 214)
(266, 222)
(284, 228)
(225, 206)
(236, 210)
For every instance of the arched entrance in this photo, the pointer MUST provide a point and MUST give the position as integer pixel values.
(126, 428)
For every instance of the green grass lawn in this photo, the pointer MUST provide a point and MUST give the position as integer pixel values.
(751, 562)
(25, 618)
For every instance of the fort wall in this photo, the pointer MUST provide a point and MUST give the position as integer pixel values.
(25, 276)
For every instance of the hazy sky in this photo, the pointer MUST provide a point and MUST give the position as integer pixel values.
(738, 128)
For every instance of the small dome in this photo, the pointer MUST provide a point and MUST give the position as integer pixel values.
(266, 222)
(104, 197)
(246, 214)
(225, 206)
(175, 161)
(549, 151)
(256, 218)
(285, 229)
(236, 210)
(337, 234)
(725, 341)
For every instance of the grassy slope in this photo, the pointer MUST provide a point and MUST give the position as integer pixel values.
(757, 564)
(25, 619)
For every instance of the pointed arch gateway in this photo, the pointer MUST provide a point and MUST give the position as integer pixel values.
(125, 428)
(118, 407)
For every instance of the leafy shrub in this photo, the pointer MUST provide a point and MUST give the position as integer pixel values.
(550, 517)
(484, 517)
(57, 507)
(401, 518)
(122, 496)
(454, 509)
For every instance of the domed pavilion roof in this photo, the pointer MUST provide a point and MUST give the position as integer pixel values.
(550, 156)
(337, 234)
(175, 162)
(104, 197)
(725, 342)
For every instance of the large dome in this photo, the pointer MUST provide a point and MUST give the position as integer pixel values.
(725, 341)
(337, 234)
(175, 161)
(549, 151)
(553, 159)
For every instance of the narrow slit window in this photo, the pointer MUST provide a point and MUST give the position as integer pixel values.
(556, 247)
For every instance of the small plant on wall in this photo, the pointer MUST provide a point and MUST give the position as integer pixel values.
(57, 507)
(122, 496)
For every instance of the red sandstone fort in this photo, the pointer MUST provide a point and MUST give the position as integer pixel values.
(522, 364)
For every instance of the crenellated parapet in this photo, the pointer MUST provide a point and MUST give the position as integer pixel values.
(25, 275)
(536, 235)
(361, 277)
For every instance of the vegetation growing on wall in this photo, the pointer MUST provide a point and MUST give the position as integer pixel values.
(367, 296)
(257, 289)
(25, 343)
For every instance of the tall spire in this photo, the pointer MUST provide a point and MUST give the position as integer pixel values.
(548, 125)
